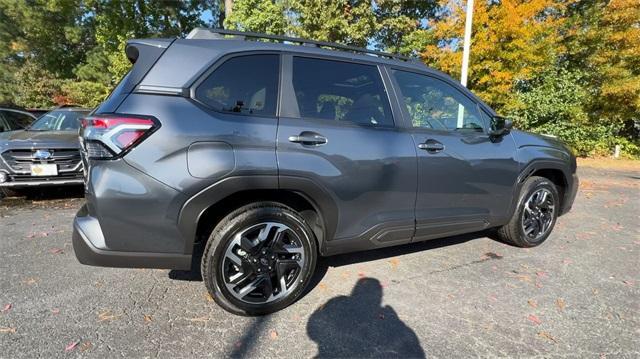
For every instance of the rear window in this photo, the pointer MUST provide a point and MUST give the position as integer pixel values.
(245, 85)
(340, 91)
(58, 120)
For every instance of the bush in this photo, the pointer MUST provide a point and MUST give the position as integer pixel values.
(553, 103)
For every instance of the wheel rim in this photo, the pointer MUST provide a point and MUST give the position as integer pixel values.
(262, 263)
(537, 216)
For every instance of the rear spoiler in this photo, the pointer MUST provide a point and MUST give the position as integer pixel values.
(143, 54)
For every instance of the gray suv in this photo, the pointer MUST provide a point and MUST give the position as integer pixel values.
(270, 154)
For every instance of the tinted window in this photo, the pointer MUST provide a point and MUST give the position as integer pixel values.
(434, 104)
(245, 84)
(17, 120)
(340, 91)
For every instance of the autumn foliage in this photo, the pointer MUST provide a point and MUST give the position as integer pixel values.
(570, 68)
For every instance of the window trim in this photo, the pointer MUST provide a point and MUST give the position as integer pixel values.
(407, 117)
(294, 112)
(221, 61)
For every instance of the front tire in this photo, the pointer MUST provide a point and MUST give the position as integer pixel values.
(259, 259)
(535, 216)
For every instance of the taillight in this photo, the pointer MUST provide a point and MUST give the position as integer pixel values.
(111, 136)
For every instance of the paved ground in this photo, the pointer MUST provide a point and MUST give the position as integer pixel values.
(577, 295)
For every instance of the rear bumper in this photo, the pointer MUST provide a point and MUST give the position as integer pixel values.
(89, 247)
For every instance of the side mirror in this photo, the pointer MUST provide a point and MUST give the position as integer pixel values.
(500, 126)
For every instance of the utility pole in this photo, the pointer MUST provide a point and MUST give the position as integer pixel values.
(465, 56)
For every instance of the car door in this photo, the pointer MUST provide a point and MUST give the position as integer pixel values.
(466, 178)
(337, 129)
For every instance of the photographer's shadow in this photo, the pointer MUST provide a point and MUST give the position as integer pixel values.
(357, 326)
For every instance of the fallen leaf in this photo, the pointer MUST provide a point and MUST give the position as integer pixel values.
(523, 278)
(628, 282)
(322, 286)
(6, 308)
(71, 346)
(31, 281)
(148, 318)
(209, 297)
(394, 263)
(273, 334)
(361, 274)
(560, 304)
(106, 315)
(56, 251)
(547, 336)
(532, 303)
(7, 330)
(85, 346)
(534, 319)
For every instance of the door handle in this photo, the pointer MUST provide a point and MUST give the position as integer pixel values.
(431, 146)
(309, 138)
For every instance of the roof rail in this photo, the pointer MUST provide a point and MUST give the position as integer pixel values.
(216, 34)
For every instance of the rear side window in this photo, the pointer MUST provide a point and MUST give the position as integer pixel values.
(243, 85)
(17, 120)
(340, 91)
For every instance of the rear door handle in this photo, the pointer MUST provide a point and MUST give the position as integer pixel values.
(431, 146)
(309, 139)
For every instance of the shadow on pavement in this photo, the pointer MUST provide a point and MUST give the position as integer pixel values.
(42, 193)
(343, 259)
(358, 326)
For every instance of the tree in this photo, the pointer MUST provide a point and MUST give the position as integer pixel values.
(603, 37)
(403, 25)
(513, 40)
(265, 16)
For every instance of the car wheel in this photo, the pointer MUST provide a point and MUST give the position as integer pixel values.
(535, 215)
(259, 259)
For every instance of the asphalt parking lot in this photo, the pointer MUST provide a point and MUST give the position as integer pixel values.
(576, 295)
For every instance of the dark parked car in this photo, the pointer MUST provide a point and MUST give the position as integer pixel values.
(46, 153)
(12, 119)
(271, 154)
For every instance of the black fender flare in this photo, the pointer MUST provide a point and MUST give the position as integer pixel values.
(529, 169)
(194, 207)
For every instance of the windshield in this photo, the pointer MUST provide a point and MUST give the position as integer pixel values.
(58, 120)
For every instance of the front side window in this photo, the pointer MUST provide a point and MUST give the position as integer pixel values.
(340, 91)
(434, 104)
(244, 85)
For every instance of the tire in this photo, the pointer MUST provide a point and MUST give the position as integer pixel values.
(244, 244)
(532, 223)
(6, 192)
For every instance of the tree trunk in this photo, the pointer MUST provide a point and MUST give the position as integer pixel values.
(228, 7)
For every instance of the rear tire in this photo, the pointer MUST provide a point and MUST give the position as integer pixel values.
(259, 259)
(535, 216)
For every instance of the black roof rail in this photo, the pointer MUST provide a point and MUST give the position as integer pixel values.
(215, 34)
